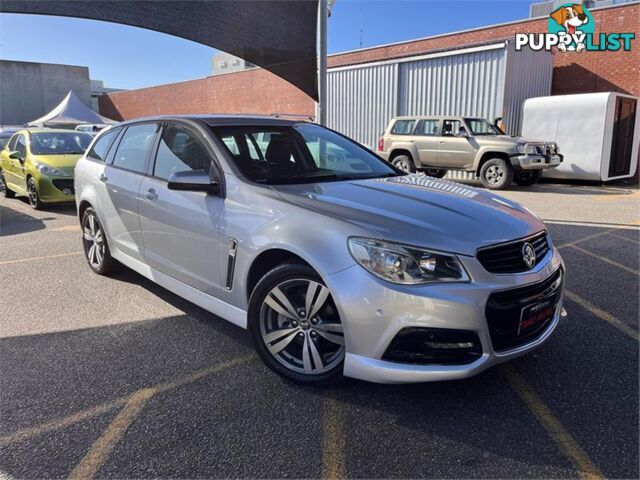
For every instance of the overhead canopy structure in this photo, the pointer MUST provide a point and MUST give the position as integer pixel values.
(68, 114)
(277, 35)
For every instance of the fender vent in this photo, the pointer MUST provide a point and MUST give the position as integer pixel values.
(231, 262)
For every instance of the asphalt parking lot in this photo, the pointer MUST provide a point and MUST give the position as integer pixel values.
(117, 377)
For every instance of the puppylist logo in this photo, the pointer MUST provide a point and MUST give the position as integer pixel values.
(572, 29)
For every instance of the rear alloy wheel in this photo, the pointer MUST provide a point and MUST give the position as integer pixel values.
(295, 325)
(32, 192)
(404, 163)
(4, 190)
(96, 249)
(527, 178)
(496, 174)
(435, 172)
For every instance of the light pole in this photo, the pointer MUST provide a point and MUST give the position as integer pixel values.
(321, 106)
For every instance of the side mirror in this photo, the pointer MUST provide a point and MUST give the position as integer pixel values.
(193, 181)
(463, 133)
(15, 155)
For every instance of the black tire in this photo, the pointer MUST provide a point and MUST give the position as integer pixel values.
(404, 163)
(527, 178)
(435, 172)
(100, 260)
(4, 190)
(286, 359)
(496, 174)
(32, 194)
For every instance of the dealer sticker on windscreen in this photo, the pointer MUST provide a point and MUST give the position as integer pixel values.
(535, 314)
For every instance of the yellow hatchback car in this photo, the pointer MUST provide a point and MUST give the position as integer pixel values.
(39, 163)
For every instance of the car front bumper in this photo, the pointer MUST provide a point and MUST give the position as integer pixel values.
(537, 162)
(373, 312)
(55, 189)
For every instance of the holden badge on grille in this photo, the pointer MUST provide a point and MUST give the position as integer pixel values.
(528, 254)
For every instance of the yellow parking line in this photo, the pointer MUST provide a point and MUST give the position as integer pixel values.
(66, 228)
(34, 259)
(606, 260)
(333, 464)
(583, 239)
(607, 317)
(64, 422)
(567, 444)
(58, 424)
(614, 197)
(101, 449)
(622, 237)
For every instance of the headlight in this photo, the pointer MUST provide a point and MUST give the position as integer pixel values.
(522, 149)
(406, 265)
(50, 171)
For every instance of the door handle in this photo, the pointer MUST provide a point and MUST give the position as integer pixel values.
(103, 177)
(151, 194)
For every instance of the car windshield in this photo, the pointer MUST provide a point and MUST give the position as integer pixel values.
(303, 153)
(59, 143)
(479, 126)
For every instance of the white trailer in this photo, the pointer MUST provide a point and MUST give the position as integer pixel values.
(597, 133)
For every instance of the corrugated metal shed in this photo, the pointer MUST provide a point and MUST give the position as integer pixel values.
(362, 100)
(485, 81)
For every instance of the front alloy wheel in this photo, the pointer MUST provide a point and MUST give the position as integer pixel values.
(32, 192)
(296, 326)
(496, 174)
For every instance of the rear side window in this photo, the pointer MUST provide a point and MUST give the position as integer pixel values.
(427, 127)
(402, 127)
(100, 149)
(134, 147)
(180, 151)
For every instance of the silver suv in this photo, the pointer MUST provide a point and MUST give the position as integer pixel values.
(335, 261)
(437, 144)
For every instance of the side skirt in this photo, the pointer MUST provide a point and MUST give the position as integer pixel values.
(214, 305)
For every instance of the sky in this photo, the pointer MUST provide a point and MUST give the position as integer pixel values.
(129, 57)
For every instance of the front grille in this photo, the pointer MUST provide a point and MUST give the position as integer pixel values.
(61, 184)
(434, 346)
(508, 258)
(504, 312)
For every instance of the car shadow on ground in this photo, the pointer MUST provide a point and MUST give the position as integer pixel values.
(14, 222)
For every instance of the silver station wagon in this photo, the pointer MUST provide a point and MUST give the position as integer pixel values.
(337, 262)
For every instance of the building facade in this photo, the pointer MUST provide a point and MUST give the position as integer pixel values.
(222, 63)
(258, 91)
(29, 90)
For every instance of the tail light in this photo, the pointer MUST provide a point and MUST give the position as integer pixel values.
(381, 144)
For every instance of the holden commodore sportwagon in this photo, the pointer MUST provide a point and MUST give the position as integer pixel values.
(335, 261)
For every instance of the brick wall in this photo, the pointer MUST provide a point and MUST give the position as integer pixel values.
(259, 91)
(250, 91)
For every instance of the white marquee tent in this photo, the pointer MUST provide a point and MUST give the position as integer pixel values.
(68, 114)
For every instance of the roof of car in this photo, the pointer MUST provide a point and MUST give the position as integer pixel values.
(229, 120)
(47, 130)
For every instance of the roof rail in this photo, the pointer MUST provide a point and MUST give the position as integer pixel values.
(293, 115)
